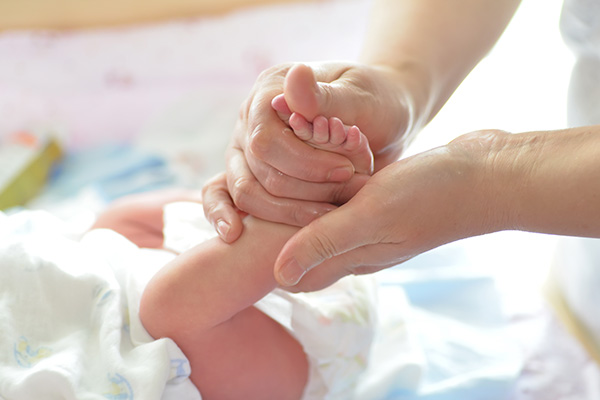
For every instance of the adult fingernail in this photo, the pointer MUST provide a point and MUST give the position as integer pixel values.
(223, 228)
(291, 273)
(340, 174)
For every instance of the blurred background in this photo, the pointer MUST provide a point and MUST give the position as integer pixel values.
(145, 96)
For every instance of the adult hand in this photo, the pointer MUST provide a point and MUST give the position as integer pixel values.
(273, 175)
(405, 209)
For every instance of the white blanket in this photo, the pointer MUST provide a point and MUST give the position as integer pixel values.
(69, 326)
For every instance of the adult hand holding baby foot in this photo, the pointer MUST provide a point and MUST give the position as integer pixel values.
(407, 208)
(414, 56)
(275, 175)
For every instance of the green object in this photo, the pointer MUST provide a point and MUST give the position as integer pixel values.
(25, 163)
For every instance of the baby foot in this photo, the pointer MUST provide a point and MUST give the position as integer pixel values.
(332, 135)
(281, 108)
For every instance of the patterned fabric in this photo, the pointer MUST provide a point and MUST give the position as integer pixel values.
(69, 325)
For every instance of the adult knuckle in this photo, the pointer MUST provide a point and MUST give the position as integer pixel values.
(244, 109)
(274, 183)
(215, 207)
(338, 194)
(298, 215)
(259, 142)
(274, 72)
(313, 173)
(211, 191)
(214, 182)
(327, 96)
(207, 189)
(324, 246)
(242, 191)
(267, 74)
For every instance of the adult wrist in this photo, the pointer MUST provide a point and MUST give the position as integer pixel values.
(547, 179)
(406, 90)
(509, 172)
(495, 181)
(414, 86)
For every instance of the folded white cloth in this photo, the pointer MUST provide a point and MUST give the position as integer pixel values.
(69, 326)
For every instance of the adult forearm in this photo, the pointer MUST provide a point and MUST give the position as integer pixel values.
(434, 44)
(482, 182)
(549, 181)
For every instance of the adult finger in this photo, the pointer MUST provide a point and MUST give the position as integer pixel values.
(280, 185)
(342, 230)
(220, 210)
(369, 97)
(333, 91)
(276, 144)
(263, 135)
(251, 197)
(329, 249)
(362, 260)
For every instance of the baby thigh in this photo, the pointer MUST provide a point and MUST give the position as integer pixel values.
(250, 356)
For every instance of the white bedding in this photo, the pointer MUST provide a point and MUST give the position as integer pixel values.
(69, 326)
(166, 87)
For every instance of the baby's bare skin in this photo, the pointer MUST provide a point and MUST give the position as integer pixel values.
(318, 131)
(332, 135)
(204, 298)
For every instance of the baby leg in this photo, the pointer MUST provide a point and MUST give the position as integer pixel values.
(203, 301)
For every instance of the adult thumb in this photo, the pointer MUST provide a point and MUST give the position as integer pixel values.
(326, 237)
(332, 95)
